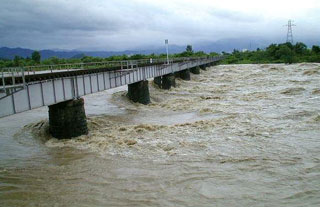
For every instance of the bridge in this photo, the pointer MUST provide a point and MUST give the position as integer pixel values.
(61, 86)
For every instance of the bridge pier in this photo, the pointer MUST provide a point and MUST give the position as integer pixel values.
(213, 64)
(185, 74)
(68, 119)
(168, 81)
(203, 67)
(158, 80)
(195, 70)
(139, 92)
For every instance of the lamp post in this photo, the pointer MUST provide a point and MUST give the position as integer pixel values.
(167, 47)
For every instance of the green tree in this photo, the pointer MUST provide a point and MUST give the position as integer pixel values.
(200, 54)
(2, 63)
(54, 60)
(213, 54)
(225, 53)
(271, 50)
(137, 57)
(289, 44)
(285, 53)
(36, 57)
(300, 48)
(189, 49)
(315, 49)
(17, 61)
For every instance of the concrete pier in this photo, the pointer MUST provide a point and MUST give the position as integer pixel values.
(168, 81)
(139, 92)
(68, 119)
(213, 64)
(158, 81)
(195, 70)
(185, 74)
(203, 67)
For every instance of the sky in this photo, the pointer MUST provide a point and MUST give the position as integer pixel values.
(116, 25)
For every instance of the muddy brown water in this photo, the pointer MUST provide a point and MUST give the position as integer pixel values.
(236, 135)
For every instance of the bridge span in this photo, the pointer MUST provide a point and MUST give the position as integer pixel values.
(61, 86)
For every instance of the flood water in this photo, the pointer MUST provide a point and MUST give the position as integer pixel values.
(236, 135)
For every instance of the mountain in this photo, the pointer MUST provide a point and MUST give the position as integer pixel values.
(10, 53)
(226, 45)
(78, 56)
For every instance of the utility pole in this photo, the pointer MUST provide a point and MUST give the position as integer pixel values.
(289, 33)
(167, 47)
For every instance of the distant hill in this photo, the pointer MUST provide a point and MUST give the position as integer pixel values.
(226, 45)
(10, 53)
(78, 56)
(219, 46)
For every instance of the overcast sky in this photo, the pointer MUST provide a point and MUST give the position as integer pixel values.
(129, 24)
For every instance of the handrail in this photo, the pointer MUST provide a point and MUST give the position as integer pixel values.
(72, 66)
(14, 72)
(14, 79)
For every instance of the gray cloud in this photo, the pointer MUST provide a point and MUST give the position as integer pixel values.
(235, 16)
(123, 24)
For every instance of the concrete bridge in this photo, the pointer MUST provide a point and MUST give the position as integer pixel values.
(61, 86)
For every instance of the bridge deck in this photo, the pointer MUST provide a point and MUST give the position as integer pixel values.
(46, 88)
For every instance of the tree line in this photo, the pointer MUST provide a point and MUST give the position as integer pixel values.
(274, 53)
(35, 58)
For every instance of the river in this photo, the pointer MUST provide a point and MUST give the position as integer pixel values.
(235, 135)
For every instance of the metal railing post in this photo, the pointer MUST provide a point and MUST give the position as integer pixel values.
(23, 78)
(13, 78)
(3, 81)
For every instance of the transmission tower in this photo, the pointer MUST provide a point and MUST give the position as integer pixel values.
(289, 34)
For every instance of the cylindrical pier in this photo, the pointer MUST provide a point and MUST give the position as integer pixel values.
(203, 67)
(158, 81)
(68, 119)
(168, 81)
(195, 70)
(185, 74)
(139, 92)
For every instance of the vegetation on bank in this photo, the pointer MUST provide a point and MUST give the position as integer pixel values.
(274, 53)
(35, 58)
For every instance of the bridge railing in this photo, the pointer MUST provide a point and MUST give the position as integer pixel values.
(123, 64)
(15, 79)
(15, 72)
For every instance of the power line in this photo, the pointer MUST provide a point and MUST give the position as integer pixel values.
(289, 33)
